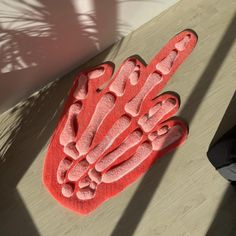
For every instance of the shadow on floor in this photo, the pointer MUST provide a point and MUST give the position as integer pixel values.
(28, 136)
(35, 118)
(138, 204)
(224, 220)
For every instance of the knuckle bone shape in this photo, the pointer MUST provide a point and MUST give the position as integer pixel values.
(107, 138)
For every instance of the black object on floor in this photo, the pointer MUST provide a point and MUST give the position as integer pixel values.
(222, 153)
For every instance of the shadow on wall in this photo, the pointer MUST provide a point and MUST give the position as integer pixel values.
(38, 46)
(25, 51)
(36, 118)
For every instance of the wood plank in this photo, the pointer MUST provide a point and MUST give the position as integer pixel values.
(188, 191)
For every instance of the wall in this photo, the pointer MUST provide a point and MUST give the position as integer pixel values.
(42, 40)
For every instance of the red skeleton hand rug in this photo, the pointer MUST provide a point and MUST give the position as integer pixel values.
(113, 130)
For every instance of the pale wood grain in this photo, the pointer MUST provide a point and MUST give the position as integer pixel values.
(190, 190)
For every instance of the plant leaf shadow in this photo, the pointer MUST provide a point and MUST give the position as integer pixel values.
(27, 138)
(27, 127)
(37, 44)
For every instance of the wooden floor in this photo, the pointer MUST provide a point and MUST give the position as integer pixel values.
(182, 194)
